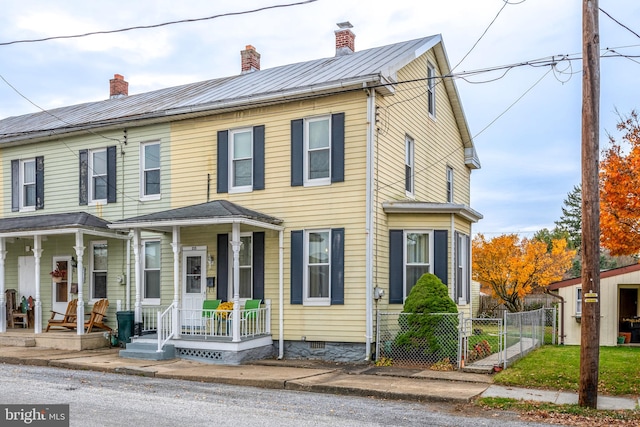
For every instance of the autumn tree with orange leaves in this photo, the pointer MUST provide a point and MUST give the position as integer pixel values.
(511, 268)
(620, 190)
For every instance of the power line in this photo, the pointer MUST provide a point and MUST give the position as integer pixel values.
(619, 23)
(164, 24)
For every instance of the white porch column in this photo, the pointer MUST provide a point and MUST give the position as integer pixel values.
(235, 246)
(175, 245)
(79, 247)
(280, 294)
(3, 302)
(136, 268)
(37, 312)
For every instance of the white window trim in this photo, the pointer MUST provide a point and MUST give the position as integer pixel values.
(143, 169)
(92, 200)
(150, 301)
(24, 208)
(463, 268)
(308, 182)
(307, 300)
(410, 161)
(450, 184)
(579, 300)
(250, 267)
(404, 259)
(92, 298)
(431, 90)
(240, 188)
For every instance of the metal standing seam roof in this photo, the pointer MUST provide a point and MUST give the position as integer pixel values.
(375, 65)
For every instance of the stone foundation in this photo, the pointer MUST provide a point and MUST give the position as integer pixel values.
(322, 350)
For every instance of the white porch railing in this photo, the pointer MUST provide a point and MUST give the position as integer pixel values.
(165, 326)
(150, 318)
(219, 323)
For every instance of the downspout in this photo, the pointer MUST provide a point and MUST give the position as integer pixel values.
(127, 277)
(281, 295)
(371, 117)
(548, 292)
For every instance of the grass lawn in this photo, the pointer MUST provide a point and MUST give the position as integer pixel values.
(558, 367)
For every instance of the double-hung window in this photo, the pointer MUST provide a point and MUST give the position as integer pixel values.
(246, 266)
(462, 275)
(98, 176)
(317, 151)
(578, 302)
(98, 267)
(28, 184)
(241, 160)
(151, 268)
(409, 167)
(431, 90)
(318, 266)
(418, 257)
(150, 170)
(449, 184)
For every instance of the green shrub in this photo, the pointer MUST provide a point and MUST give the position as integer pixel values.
(435, 336)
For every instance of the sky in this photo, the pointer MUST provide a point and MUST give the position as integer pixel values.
(525, 122)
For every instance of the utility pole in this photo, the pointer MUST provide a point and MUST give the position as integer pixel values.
(590, 331)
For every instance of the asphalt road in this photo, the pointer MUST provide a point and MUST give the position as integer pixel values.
(102, 399)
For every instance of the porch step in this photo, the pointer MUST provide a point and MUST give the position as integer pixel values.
(17, 341)
(148, 351)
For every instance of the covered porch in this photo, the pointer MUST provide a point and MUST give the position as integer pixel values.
(56, 240)
(224, 334)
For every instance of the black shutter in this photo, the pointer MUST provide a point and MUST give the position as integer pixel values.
(15, 185)
(337, 147)
(83, 185)
(297, 152)
(223, 267)
(337, 266)
(440, 255)
(39, 182)
(223, 161)
(111, 174)
(297, 265)
(396, 266)
(258, 158)
(258, 265)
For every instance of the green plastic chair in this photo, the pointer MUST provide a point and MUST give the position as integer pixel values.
(250, 313)
(209, 306)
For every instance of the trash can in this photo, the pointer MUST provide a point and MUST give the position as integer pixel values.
(125, 326)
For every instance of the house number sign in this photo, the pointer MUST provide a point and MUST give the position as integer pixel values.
(591, 297)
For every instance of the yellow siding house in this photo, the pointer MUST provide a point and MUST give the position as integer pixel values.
(306, 197)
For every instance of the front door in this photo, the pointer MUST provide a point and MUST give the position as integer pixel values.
(60, 292)
(193, 285)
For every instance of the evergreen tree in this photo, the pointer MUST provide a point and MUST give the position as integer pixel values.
(571, 220)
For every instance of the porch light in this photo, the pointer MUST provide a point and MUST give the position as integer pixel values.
(210, 260)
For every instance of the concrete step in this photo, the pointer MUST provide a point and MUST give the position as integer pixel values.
(148, 351)
(17, 341)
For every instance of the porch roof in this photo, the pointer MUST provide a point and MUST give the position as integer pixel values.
(209, 213)
(414, 206)
(60, 223)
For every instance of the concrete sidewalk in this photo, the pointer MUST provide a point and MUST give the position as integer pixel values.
(320, 377)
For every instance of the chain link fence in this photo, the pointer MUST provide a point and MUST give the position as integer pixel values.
(449, 340)
(422, 340)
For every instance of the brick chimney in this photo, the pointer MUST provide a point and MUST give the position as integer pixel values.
(345, 39)
(118, 87)
(250, 59)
